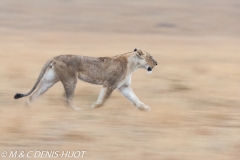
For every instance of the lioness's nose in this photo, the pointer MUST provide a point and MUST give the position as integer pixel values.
(156, 62)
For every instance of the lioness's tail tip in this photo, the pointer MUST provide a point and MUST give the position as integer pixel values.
(18, 95)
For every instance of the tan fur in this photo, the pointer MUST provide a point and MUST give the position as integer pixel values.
(111, 72)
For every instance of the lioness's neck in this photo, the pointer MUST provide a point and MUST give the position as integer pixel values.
(132, 62)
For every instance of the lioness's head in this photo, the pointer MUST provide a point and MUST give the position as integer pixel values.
(146, 61)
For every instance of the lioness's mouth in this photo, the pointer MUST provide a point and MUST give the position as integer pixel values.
(149, 69)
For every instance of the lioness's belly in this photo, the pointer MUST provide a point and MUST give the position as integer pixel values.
(90, 79)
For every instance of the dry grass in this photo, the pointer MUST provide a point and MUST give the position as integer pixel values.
(193, 94)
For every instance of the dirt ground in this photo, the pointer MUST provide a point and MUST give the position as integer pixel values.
(193, 92)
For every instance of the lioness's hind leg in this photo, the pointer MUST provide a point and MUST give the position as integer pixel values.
(48, 80)
(69, 87)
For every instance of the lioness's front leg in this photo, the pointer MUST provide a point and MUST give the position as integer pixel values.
(104, 94)
(127, 91)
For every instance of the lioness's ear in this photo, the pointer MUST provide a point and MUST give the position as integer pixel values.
(139, 53)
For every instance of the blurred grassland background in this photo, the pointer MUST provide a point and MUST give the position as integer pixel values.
(193, 92)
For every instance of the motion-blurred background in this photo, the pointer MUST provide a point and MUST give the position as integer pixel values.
(193, 92)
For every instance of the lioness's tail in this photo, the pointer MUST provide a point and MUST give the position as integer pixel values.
(19, 95)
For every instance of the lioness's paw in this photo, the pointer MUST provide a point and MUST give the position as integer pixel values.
(144, 108)
(27, 104)
(95, 105)
(76, 108)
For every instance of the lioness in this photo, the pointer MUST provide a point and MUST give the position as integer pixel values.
(111, 72)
